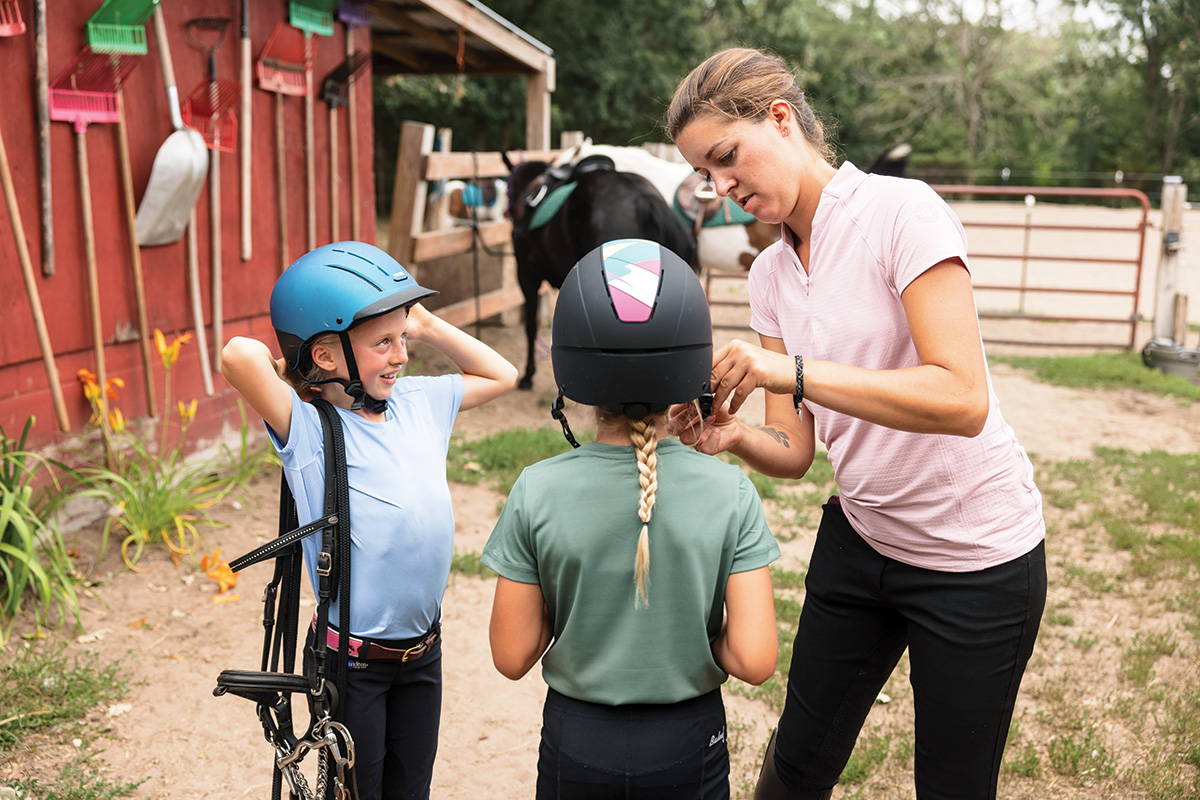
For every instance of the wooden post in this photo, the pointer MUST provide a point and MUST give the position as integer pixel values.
(1173, 196)
(408, 191)
(437, 215)
(1180, 331)
(537, 111)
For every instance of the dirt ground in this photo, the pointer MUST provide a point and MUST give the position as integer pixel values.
(173, 638)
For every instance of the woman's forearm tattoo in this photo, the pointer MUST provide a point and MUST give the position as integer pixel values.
(777, 435)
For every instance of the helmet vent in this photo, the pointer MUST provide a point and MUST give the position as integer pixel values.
(358, 275)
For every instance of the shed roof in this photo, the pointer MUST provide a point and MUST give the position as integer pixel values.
(448, 37)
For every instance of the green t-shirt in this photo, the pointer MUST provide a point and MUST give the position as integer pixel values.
(571, 525)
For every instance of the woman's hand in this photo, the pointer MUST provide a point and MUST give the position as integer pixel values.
(715, 434)
(740, 367)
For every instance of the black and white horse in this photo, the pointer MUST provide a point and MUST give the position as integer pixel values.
(599, 204)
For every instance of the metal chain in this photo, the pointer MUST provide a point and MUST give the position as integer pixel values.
(326, 734)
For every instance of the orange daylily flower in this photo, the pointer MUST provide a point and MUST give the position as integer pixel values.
(111, 386)
(169, 352)
(116, 420)
(218, 569)
(187, 413)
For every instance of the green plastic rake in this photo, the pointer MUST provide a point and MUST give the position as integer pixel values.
(119, 26)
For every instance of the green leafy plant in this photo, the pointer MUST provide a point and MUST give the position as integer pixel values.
(251, 459)
(153, 495)
(33, 560)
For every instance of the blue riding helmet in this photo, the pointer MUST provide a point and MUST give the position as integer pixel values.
(330, 290)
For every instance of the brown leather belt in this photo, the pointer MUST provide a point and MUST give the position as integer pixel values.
(373, 651)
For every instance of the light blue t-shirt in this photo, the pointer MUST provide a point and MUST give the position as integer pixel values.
(401, 520)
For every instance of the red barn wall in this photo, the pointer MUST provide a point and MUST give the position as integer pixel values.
(24, 388)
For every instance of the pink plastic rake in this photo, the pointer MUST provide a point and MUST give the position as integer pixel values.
(11, 23)
(86, 91)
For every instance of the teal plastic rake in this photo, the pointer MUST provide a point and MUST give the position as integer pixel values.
(313, 16)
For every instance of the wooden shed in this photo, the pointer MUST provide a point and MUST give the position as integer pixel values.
(76, 290)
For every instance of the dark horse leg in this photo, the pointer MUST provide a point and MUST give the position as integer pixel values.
(529, 289)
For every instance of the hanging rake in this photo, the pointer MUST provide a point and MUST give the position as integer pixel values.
(11, 23)
(334, 91)
(83, 93)
(285, 67)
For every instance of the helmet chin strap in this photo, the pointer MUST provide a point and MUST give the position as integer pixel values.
(556, 411)
(354, 387)
(632, 410)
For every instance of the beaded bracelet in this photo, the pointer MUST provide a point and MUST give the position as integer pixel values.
(799, 395)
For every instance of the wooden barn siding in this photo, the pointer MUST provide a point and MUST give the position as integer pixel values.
(247, 284)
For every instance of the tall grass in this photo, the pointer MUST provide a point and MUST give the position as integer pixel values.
(34, 564)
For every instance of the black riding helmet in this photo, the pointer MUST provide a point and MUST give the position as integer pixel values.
(632, 331)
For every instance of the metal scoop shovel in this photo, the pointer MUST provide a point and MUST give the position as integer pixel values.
(179, 168)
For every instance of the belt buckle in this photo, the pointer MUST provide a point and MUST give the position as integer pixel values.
(419, 649)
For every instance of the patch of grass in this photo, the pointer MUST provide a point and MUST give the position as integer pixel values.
(870, 751)
(786, 579)
(1123, 370)
(79, 779)
(1066, 484)
(1021, 755)
(41, 689)
(1083, 755)
(498, 458)
(1137, 662)
(1085, 641)
(1174, 772)
(469, 563)
(1095, 581)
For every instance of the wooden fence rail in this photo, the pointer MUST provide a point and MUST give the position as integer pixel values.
(411, 244)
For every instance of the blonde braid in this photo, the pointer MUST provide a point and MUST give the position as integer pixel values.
(645, 443)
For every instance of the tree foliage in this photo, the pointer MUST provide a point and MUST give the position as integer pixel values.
(974, 88)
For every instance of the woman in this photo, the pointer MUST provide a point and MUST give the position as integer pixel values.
(868, 334)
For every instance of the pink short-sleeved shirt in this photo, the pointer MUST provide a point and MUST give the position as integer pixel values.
(935, 501)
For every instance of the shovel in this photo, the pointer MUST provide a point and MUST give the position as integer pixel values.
(179, 168)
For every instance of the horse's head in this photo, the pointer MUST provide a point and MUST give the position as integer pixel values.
(525, 178)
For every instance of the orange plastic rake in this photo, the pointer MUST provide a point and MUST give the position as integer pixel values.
(286, 61)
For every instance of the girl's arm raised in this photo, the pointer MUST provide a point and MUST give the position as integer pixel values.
(748, 647)
(521, 628)
(251, 369)
(486, 373)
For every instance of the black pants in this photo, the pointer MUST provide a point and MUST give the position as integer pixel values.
(655, 752)
(393, 712)
(969, 636)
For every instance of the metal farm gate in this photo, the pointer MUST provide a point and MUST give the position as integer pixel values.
(1074, 264)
